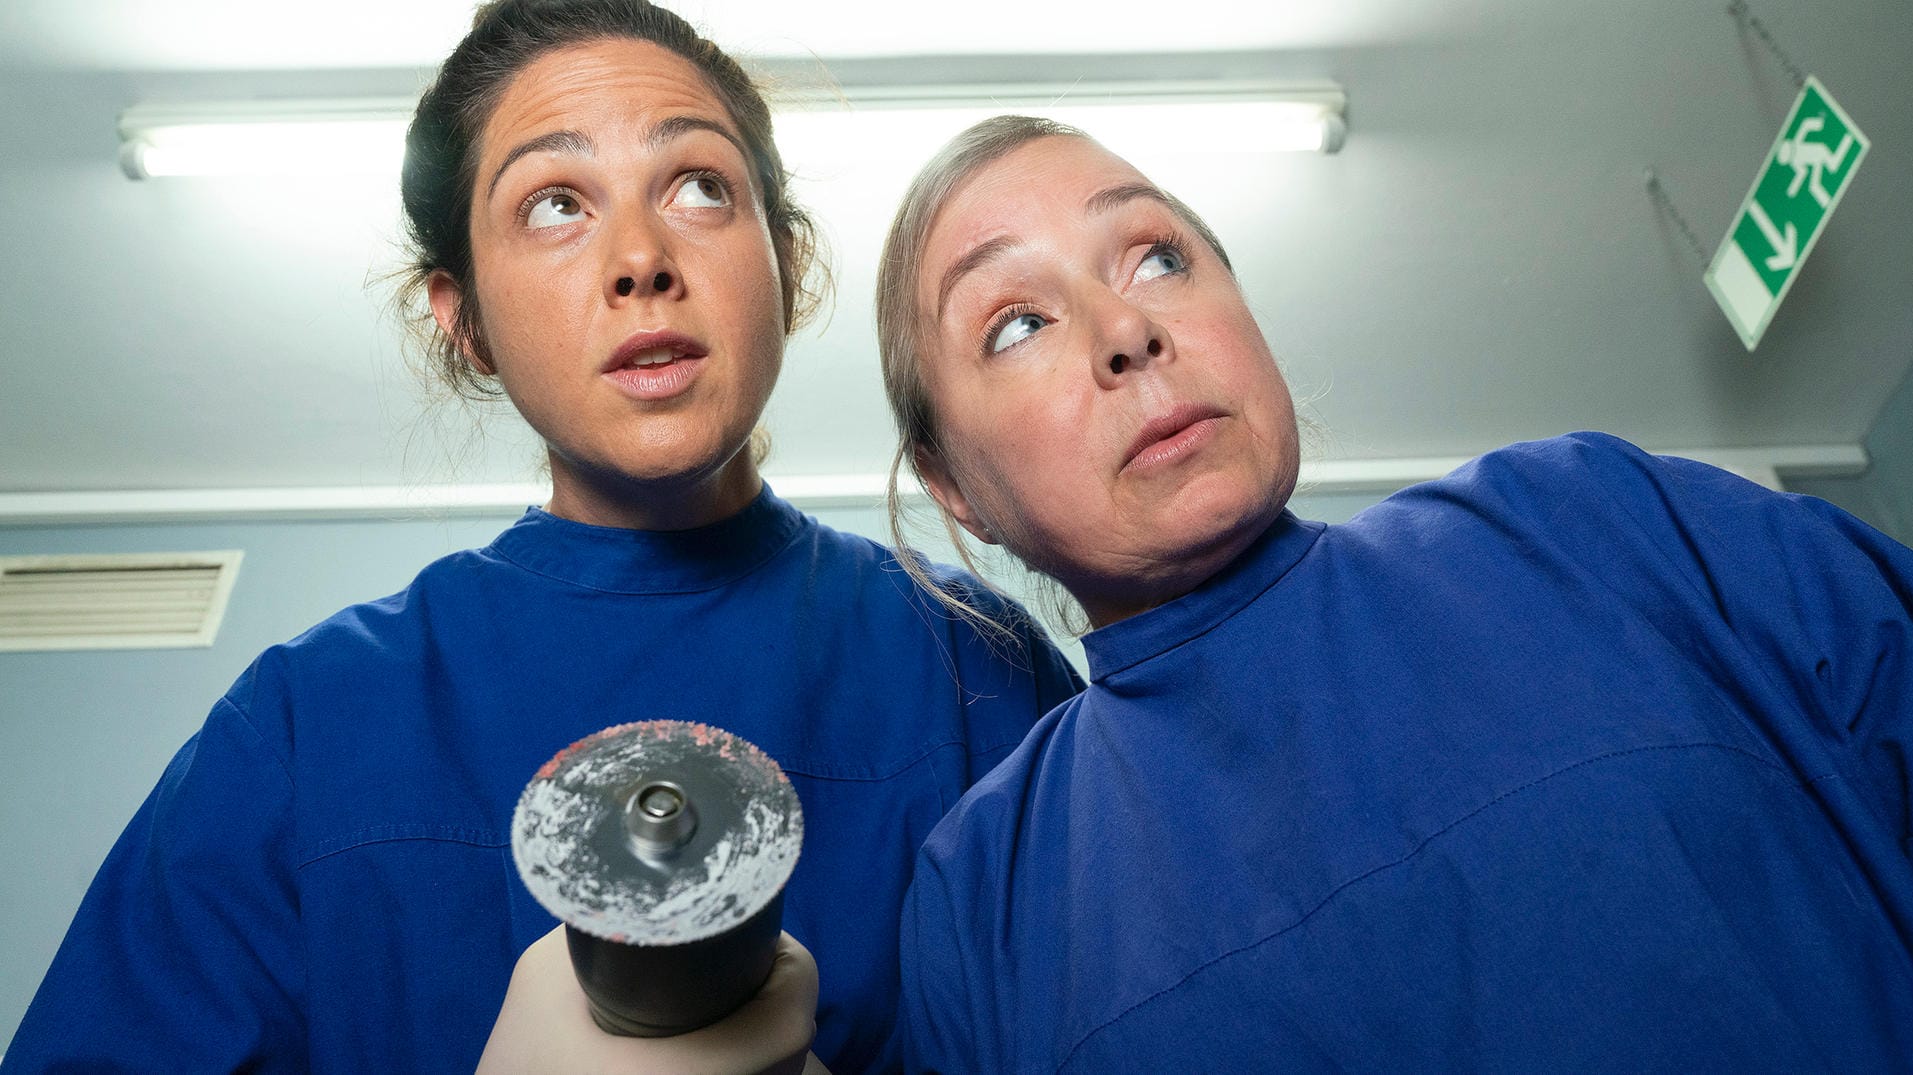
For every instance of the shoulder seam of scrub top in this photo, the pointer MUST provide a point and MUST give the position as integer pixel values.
(971, 591)
(245, 719)
(1791, 778)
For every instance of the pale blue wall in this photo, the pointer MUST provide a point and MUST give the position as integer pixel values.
(1883, 495)
(85, 734)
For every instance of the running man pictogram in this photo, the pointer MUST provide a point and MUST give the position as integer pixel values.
(1811, 161)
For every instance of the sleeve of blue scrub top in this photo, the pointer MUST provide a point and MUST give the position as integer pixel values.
(1831, 610)
(184, 956)
(935, 982)
(1821, 601)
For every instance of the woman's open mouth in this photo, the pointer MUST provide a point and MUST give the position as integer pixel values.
(655, 365)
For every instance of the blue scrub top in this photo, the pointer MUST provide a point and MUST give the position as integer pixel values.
(1577, 759)
(323, 878)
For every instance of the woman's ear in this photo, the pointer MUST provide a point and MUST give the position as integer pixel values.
(944, 489)
(445, 297)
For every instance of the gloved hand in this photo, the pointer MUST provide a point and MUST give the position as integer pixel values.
(545, 1025)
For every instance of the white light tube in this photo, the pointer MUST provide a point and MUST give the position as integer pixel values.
(334, 137)
(264, 138)
(1242, 114)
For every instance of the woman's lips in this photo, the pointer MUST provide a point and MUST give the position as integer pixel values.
(1170, 437)
(655, 365)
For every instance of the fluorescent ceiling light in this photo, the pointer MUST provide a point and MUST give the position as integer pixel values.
(331, 137)
(1237, 115)
(266, 138)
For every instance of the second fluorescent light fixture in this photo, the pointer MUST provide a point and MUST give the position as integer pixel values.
(1251, 115)
(334, 137)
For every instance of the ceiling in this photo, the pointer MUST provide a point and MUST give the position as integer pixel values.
(1481, 263)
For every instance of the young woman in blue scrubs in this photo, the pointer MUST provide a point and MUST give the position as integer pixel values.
(1577, 758)
(322, 880)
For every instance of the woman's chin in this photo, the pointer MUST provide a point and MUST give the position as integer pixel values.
(655, 491)
(1165, 559)
(1216, 511)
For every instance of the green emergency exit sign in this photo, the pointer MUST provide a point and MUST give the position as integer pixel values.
(1808, 169)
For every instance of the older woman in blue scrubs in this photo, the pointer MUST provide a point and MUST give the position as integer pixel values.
(322, 879)
(1578, 757)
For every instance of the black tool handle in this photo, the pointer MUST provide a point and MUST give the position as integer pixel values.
(646, 991)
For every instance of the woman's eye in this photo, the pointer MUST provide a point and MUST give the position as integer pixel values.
(1162, 261)
(702, 192)
(553, 210)
(1016, 330)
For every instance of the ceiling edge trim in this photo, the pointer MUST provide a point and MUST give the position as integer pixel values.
(808, 491)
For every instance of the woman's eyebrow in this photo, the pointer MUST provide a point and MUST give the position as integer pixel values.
(983, 253)
(678, 126)
(579, 144)
(980, 255)
(575, 143)
(1110, 197)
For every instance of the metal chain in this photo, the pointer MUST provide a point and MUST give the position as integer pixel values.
(1659, 193)
(1751, 21)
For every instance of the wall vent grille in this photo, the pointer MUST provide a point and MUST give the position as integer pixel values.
(119, 601)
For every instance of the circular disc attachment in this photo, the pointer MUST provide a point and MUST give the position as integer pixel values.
(657, 833)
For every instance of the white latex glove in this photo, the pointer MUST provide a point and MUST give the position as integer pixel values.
(545, 1025)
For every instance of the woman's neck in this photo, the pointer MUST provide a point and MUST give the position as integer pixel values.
(1108, 600)
(682, 502)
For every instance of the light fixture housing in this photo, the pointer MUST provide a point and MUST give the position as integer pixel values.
(345, 136)
(334, 136)
(1254, 115)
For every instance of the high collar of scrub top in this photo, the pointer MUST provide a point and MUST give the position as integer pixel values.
(1130, 642)
(615, 560)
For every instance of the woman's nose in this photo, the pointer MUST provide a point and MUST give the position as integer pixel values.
(659, 283)
(640, 267)
(1120, 363)
(1130, 341)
